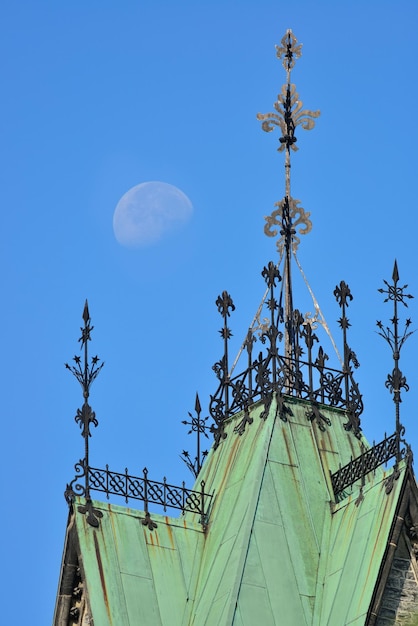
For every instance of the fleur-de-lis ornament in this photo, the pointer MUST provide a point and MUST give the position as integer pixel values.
(85, 372)
(289, 113)
(288, 214)
(396, 381)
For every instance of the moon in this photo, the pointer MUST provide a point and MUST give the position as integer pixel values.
(149, 211)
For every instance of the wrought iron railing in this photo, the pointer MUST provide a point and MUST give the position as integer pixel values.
(139, 488)
(359, 467)
(287, 373)
(88, 479)
(302, 379)
(149, 491)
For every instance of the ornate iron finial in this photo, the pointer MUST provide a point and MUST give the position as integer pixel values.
(396, 380)
(198, 426)
(219, 407)
(85, 373)
(288, 51)
(354, 402)
(288, 215)
(276, 374)
(288, 106)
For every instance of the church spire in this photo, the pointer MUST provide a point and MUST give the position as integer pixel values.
(294, 370)
(288, 215)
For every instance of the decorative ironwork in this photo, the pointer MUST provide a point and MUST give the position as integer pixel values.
(303, 375)
(197, 425)
(289, 115)
(376, 456)
(295, 370)
(89, 478)
(135, 488)
(148, 522)
(288, 51)
(314, 414)
(85, 373)
(147, 491)
(343, 296)
(288, 215)
(288, 104)
(221, 368)
(288, 211)
(396, 381)
(93, 515)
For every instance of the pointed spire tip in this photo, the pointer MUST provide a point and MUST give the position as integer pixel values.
(197, 406)
(86, 314)
(395, 274)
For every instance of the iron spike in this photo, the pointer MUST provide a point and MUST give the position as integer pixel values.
(197, 406)
(395, 274)
(86, 314)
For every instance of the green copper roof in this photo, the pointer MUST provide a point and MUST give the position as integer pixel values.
(354, 549)
(272, 520)
(277, 549)
(134, 575)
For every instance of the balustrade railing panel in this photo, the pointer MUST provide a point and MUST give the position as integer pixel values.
(359, 467)
(299, 379)
(148, 491)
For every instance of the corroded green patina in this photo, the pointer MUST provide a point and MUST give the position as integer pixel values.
(277, 548)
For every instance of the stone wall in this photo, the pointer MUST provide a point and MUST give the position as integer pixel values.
(400, 599)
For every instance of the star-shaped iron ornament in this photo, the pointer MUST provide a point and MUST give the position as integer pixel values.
(85, 373)
(82, 371)
(197, 425)
(396, 338)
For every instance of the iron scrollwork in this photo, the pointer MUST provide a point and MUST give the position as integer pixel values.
(396, 381)
(288, 208)
(149, 491)
(197, 425)
(303, 375)
(85, 372)
(288, 105)
(353, 397)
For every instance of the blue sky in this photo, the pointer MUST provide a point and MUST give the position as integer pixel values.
(98, 97)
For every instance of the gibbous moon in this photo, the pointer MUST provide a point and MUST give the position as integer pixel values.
(148, 211)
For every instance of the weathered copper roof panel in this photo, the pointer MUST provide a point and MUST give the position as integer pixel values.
(133, 574)
(277, 547)
(359, 535)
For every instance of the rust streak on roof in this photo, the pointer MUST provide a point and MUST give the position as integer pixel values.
(102, 577)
